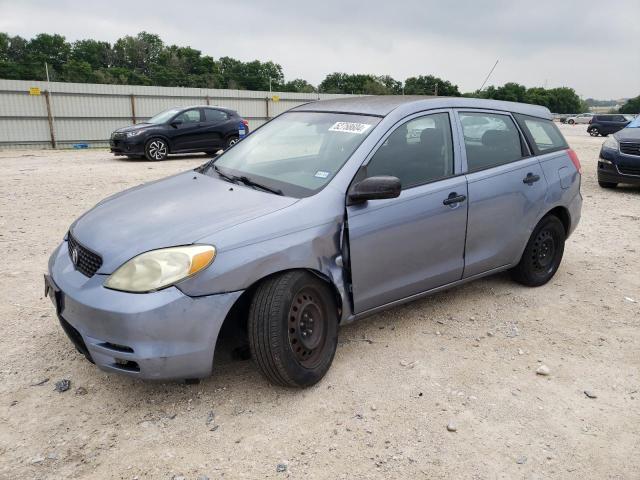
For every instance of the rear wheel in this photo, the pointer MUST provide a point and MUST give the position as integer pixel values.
(594, 132)
(156, 149)
(571, 121)
(607, 184)
(543, 253)
(293, 328)
(231, 141)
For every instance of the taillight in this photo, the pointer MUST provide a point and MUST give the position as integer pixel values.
(576, 161)
(245, 123)
(590, 120)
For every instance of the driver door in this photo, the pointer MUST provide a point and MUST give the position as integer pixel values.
(187, 135)
(403, 246)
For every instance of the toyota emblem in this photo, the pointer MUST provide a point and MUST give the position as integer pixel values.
(74, 256)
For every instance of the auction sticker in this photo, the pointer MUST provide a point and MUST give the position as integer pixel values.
(321, 174)
(350, 127)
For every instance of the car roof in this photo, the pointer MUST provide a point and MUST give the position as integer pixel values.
(205, 106)
(382, 105)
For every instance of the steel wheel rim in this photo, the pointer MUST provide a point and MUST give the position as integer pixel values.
(157, 149)
(544, 252)
(307, 327)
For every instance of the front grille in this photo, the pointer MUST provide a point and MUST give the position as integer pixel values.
(85, 261)
(630, 148)
(626, 170)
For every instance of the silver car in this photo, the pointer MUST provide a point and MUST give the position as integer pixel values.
(329, 213)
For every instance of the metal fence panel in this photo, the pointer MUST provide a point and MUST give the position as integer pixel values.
(88, 113)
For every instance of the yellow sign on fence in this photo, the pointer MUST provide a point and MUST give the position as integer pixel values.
(276, 98)
(34, 91)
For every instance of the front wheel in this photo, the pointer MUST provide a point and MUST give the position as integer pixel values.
(594, 132)
(543, 253)
(571, 122)
(156, 149)
(293, 328)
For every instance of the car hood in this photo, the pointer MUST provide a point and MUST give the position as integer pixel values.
(177, 210)
(136, 127)
(628, 135)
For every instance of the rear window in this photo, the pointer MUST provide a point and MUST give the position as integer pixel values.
(542, 133)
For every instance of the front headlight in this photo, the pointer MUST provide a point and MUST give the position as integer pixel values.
(611, 143)
(162, 268)
(134, 133)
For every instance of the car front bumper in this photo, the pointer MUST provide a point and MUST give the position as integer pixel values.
(164, 335)
(126, 146)
(616, 167)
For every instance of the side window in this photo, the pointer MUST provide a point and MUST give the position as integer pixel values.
(490, 139)
(544, 133)
(418, 151)
(213, 115)
(189, 116)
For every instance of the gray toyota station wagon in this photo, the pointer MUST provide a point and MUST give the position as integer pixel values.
(330, 212)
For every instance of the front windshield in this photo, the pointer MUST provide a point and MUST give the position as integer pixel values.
(635, 123)
(297, 153)
(164, 117)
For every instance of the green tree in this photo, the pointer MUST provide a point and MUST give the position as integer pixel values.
(96, 54)
(632, 106)
(299, 85)
(362, 84)
(430, 85)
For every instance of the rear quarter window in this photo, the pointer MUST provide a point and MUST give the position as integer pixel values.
(543, 134)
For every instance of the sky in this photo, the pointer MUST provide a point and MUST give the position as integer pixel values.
(591, 46)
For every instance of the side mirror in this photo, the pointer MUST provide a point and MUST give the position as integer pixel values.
(375, 188)
(176, 123)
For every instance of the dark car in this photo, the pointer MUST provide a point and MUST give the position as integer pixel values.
(606, 124)
(180, 130)
(619, 160)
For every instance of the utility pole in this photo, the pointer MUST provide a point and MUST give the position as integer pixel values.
(436, 92)
(48, 99)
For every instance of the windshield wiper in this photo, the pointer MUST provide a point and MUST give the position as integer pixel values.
(228, 178)
(247, 181)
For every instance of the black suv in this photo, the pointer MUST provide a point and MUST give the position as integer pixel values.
(180, 130)
(606, 124)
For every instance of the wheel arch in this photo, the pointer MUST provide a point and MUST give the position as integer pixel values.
(563, 214)
(161, 137)
(238, 315)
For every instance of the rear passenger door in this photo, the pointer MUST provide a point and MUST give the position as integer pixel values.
(413, 243)
(506, 189)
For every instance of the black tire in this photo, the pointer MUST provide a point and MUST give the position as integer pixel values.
(594, 132)
(231, 141)
(607, 184)
(571, 121)
(543, 254)
(293, 328)
(156, 149)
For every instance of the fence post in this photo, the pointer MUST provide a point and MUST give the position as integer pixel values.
(50, 118)
(133, 108)
(207, 99)
(266, 103)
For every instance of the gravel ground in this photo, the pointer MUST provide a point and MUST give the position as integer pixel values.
(462, 360)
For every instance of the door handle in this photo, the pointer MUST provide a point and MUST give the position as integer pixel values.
(530, 179)
(454, 198)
